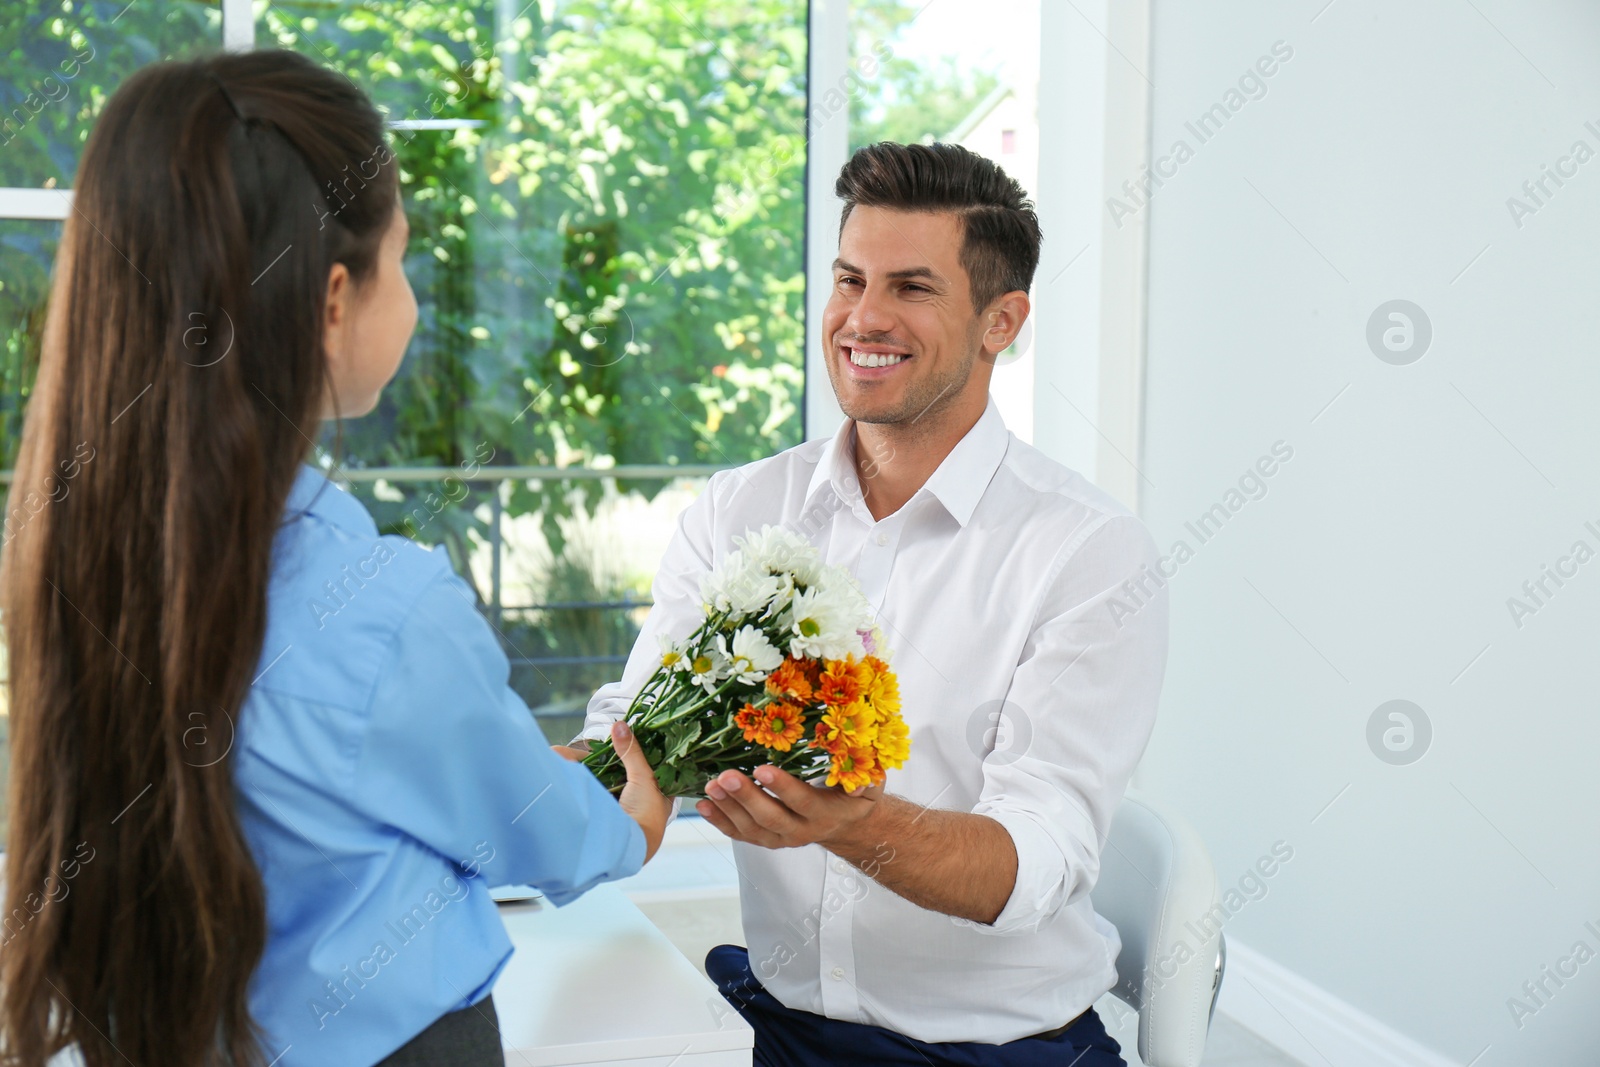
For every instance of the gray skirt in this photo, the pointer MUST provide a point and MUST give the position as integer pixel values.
(466, 1038)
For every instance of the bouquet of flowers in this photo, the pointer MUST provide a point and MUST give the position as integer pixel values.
(787, 668)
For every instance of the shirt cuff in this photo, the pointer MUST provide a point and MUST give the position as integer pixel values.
(1041, 878)
(594, 733)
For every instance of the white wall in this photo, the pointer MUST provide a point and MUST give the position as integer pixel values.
(1088, 293)
(1066, 287)
(1377, 566)
(829, 74)
(1011, 383)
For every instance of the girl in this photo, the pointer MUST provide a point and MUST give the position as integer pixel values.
(264, 762)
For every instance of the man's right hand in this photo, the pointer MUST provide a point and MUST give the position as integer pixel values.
(641, 796)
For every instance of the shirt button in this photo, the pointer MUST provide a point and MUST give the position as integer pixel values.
(838, 974)
(841, 867)
(883, 538)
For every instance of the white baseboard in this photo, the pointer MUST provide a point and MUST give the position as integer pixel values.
(1309, 1023)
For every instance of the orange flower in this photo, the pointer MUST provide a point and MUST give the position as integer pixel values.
(790, 680)
(840, 685)
(777, 726)
(854, 767)
(746, 720)
(825, 739)
(813, 670)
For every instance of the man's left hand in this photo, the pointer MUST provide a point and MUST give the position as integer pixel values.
(792, 814)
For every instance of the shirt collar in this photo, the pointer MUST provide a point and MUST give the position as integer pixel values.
(313, 494)
(837, 468)
(958, 483)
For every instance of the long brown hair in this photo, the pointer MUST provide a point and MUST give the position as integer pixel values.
(181, 381)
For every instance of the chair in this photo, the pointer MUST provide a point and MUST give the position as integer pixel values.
(1158, 887)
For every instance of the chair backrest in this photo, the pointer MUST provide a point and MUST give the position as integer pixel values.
(1158, 887)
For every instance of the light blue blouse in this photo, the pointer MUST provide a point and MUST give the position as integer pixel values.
(386, 777)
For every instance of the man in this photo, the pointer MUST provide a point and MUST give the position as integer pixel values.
(944, 917)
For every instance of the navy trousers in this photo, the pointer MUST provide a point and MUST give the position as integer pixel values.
(789, 1038)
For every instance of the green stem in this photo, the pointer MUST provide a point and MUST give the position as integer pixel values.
(652, 709)
(694, 706)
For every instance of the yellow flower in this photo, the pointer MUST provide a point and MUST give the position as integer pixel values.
(854, 725)
(884, 690)
(893, 742)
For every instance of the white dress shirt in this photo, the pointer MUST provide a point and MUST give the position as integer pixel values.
(1027, 621)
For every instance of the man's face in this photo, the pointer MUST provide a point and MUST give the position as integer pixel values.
(901, 300)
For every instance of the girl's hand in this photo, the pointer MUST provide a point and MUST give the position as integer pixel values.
(641, 796)
(568, 752)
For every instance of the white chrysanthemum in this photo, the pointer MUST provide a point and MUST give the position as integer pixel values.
(739, 584)
(781, 551)
(752, 657)
(822, 622)
(710, 666)
(674, 655)
(840, 585)
(781, 599)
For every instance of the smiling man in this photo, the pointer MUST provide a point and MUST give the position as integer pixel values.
(943, 918)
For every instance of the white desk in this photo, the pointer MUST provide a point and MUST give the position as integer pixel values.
(595, 982)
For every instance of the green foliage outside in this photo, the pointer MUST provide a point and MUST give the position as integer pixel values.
(59, 62)
(607, 240)
(612, 259)
(910, 102)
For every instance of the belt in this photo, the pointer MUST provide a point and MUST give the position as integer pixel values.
(1058, 1031)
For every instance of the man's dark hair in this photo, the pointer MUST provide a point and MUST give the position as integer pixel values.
(1000, 246)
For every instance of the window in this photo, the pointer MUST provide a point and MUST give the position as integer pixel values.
(60, 60)
(607, 200)
(63, 59)
(607, 210)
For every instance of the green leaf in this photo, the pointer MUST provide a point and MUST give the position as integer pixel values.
(687, 733)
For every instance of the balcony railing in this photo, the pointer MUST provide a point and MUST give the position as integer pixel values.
(558, 714)
(561, 715)
(632, 472)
